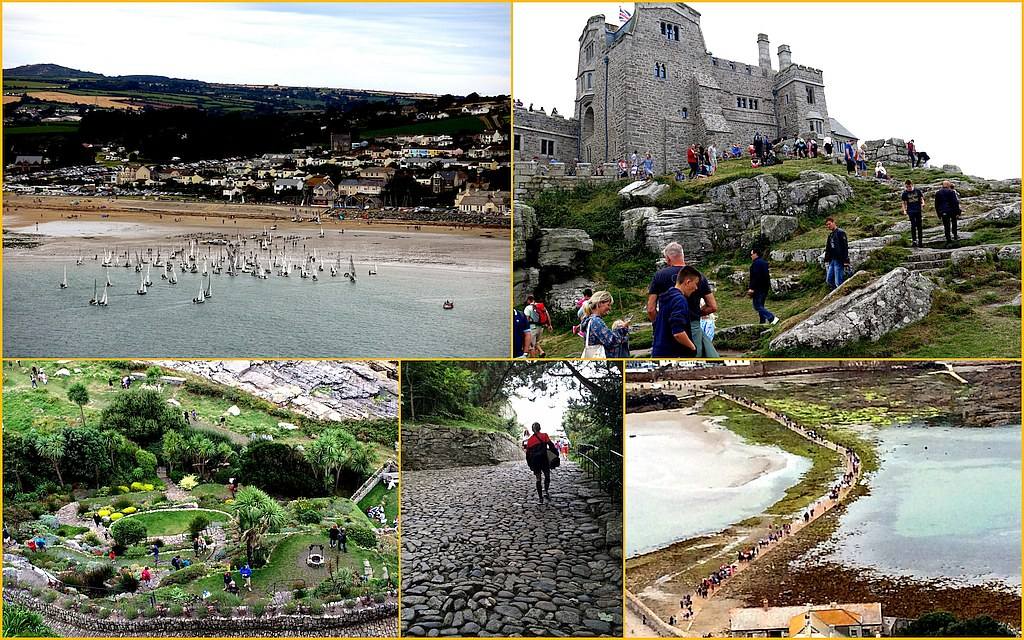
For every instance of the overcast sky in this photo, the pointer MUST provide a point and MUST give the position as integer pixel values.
(434, 48)
(946, 74)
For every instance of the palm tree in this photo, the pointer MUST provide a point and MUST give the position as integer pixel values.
(78, 394)
(52, 448)
(256, 514)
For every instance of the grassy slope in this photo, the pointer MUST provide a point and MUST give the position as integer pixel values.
(287, 566)
(374, 498)
(983, 328)
(48, 406)
(458, 124)
(758, 429)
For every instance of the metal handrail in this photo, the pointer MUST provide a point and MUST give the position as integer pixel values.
(602, 470)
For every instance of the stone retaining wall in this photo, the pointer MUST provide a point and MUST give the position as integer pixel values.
(650, 618)
(430, 446)
(378, 621)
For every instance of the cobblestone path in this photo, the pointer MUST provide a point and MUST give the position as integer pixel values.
(482, 557)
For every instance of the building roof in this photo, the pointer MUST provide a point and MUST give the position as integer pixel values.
(838, 129)
(820, 622)
(759, 618)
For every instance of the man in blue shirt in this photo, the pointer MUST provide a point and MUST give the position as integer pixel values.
(672, 324)
(522, 337)
(665, 279)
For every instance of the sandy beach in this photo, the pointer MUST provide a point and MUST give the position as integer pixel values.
(689, 476)
(47, 227)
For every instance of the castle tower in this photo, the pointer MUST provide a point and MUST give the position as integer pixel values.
(785, 56)
(800, 99)
(764, 58)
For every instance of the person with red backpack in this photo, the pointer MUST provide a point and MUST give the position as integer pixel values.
(539, 318)
(538, 446)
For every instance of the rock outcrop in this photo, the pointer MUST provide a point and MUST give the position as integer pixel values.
(543, 259)
(889, 151)
(650, 401)
(739, 212)
(563, 296)
(1003, 215)
(643, 191)
(891, 302)
(430, 446)
(563, 248)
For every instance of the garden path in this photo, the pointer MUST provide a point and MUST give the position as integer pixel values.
(480, 555)
(173, 492)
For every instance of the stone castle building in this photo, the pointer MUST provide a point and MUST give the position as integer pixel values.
(651, 85)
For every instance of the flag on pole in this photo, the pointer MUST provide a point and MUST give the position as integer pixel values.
(623, 15)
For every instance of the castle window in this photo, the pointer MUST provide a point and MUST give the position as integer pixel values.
(516, 142)
(748, 69)
(685, 113)
(547, 147)
(670, 31)
(743, 102)
(810, 95)
(660, 71)
(787, 98)
(589, 52)
(590, 80)
(732, 65)
(755, 104)
(738, 105)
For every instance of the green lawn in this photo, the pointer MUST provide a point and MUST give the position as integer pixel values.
(169, 523)
(374, 498)
(759, 429)
(458, 124)
(42, 129)
(218, 491)
(287, 565)
(136, 498)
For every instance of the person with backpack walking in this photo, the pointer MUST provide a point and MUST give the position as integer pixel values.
(913, 205)
(539, 318)
(947, 206)
(912, 152)
(837, 254)
(537, 447)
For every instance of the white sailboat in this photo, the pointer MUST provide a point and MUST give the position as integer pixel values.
(109, 283)
(209, 288)
(95, 298)
(64, 282)
(373, 269)
(148, 281)
(103, 300)
(351, 269)
(174, 277)
(201, 298)
(142, 286)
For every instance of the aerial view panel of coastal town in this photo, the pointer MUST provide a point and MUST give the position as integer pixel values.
(218, 193)
(823, 499)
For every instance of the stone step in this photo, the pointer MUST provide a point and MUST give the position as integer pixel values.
(930, 265)
(928, 255)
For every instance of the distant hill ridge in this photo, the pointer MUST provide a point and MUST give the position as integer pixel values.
(48, 70)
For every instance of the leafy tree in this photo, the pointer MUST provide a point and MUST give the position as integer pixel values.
(78, 394)
(335, 452)
(17, 450)
(52, 447)
(146, 463)
(140, 415)
(279, 468)
(197, 525)
(128, 531)
(86, 453)
(256, 514)
(945, 624)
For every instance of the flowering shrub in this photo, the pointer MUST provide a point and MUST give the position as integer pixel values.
(189, 482)
(116, 516)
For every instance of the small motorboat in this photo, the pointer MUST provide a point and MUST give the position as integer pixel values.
(448, 305)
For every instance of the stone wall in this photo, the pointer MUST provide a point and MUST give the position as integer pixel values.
(429, 446)
(378, 621)
(763, 368)
(533, 126)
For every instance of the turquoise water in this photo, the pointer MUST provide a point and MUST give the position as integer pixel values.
(945, 503)
(687, 481)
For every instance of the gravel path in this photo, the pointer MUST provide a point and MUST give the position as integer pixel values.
(482, 557)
